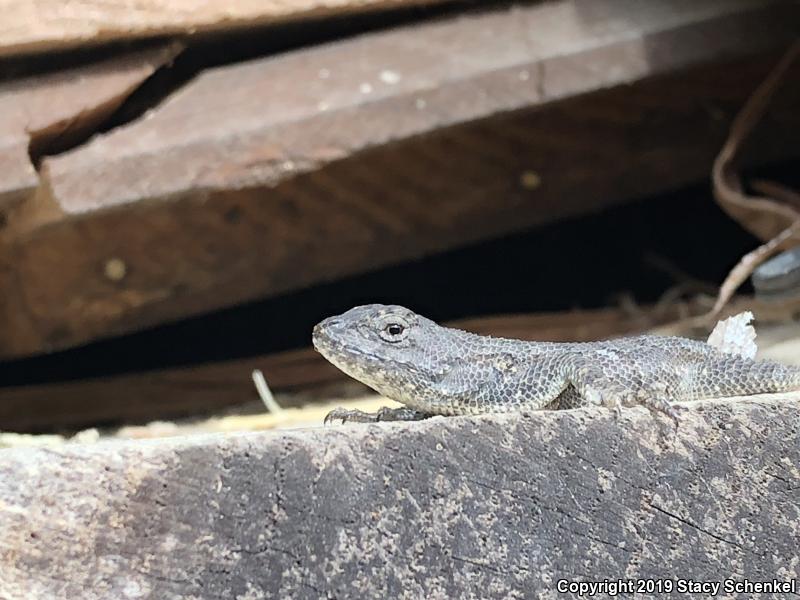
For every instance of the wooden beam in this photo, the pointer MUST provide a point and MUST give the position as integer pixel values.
(44, 25)
(494, 507)
(61, 106)
(264, 177)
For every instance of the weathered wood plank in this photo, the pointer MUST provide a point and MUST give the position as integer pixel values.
(40, 25)
(265, 177)
(264, 112)
(501, 506)
(37, 110)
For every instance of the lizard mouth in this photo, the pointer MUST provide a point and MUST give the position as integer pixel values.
(337, 351)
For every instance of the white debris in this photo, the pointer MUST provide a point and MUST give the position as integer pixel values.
(735, 335)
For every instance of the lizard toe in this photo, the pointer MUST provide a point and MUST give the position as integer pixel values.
(661, 405)
(346, 415)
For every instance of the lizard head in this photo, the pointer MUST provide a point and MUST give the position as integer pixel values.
(388, 348)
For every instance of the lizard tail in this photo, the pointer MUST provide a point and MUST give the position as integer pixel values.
(745, 377)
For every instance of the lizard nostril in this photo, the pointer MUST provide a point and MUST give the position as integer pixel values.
(329, 324)
(325, 326)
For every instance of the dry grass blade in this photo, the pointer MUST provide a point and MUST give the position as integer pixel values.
(748, 263)
(777, 191)
(778, 222)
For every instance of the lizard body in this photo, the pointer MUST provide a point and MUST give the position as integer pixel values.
(435, 370)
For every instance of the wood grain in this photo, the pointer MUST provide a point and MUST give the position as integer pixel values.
(492, 507)
(44, 25)
(36, 111)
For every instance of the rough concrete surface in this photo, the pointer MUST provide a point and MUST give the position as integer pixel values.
(488, 507)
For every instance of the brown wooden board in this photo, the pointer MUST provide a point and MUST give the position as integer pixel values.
(491, 507)
(40, 25)
(38, 110)
(264, 177)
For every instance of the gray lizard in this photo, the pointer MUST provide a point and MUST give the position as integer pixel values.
(435, 370)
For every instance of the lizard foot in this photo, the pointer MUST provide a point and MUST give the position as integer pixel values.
(660, 405)
(615, 397)
(402, 413)
(655, 399)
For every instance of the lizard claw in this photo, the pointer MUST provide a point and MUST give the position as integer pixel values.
(352, 415)
(386, 413)
(658, 404)
(675, 411)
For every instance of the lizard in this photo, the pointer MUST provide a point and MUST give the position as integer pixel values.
(436, 370)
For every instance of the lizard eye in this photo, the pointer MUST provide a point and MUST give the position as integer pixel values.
(394, 331)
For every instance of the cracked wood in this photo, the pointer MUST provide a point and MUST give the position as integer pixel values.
(63, 106)
(500, 506)
(317, 157)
